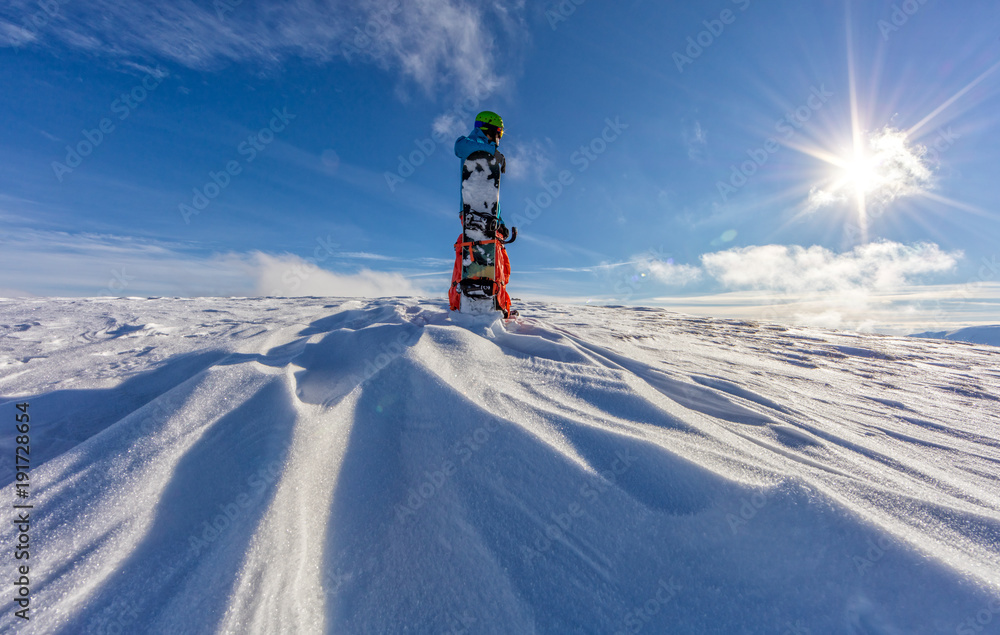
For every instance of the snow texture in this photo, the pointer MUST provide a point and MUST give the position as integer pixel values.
(273, 465)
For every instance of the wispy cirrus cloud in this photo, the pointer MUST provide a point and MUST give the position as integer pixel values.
(696, 140)
(14, 35)
(529, 158)
(449, 125)
(429, 42)
(665, 271)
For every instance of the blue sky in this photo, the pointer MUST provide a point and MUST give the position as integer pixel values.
(829, 163)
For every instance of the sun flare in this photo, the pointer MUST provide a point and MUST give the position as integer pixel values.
(874, 168)
(861, 173)
(881, 167)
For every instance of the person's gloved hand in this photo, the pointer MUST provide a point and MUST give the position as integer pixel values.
(502, 160)
(502, 231)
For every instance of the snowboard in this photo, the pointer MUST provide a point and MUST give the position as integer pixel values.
(480, 219)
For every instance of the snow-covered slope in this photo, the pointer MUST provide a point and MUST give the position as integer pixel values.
(973, 334)
(311, 465)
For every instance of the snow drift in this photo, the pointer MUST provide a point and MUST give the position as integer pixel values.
(266, 465)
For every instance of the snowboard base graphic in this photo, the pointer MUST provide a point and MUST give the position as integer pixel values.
(479, 283)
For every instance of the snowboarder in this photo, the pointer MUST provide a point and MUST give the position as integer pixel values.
(482, 268)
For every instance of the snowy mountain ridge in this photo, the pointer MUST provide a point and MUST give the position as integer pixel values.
(973, 334)
(265, 465)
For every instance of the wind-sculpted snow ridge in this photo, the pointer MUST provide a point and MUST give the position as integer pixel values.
(308, 465)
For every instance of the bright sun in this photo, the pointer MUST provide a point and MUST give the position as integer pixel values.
(882, 166)
(862, 174)
(876, 167)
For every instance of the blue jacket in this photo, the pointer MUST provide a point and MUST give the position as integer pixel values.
(464, 146)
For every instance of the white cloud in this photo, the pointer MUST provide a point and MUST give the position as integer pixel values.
(696, 140)
(61, 264)
(434, 40)
(527, 159)
(364, 255)
(449, 125)
(818, 287)
(819, 198)
(13, 35)
(879, 265)
(674, 274)
(666, 270)
(291, 275)
(431, 42)
(869, 287)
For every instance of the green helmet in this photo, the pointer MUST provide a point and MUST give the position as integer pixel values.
(488, 119)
